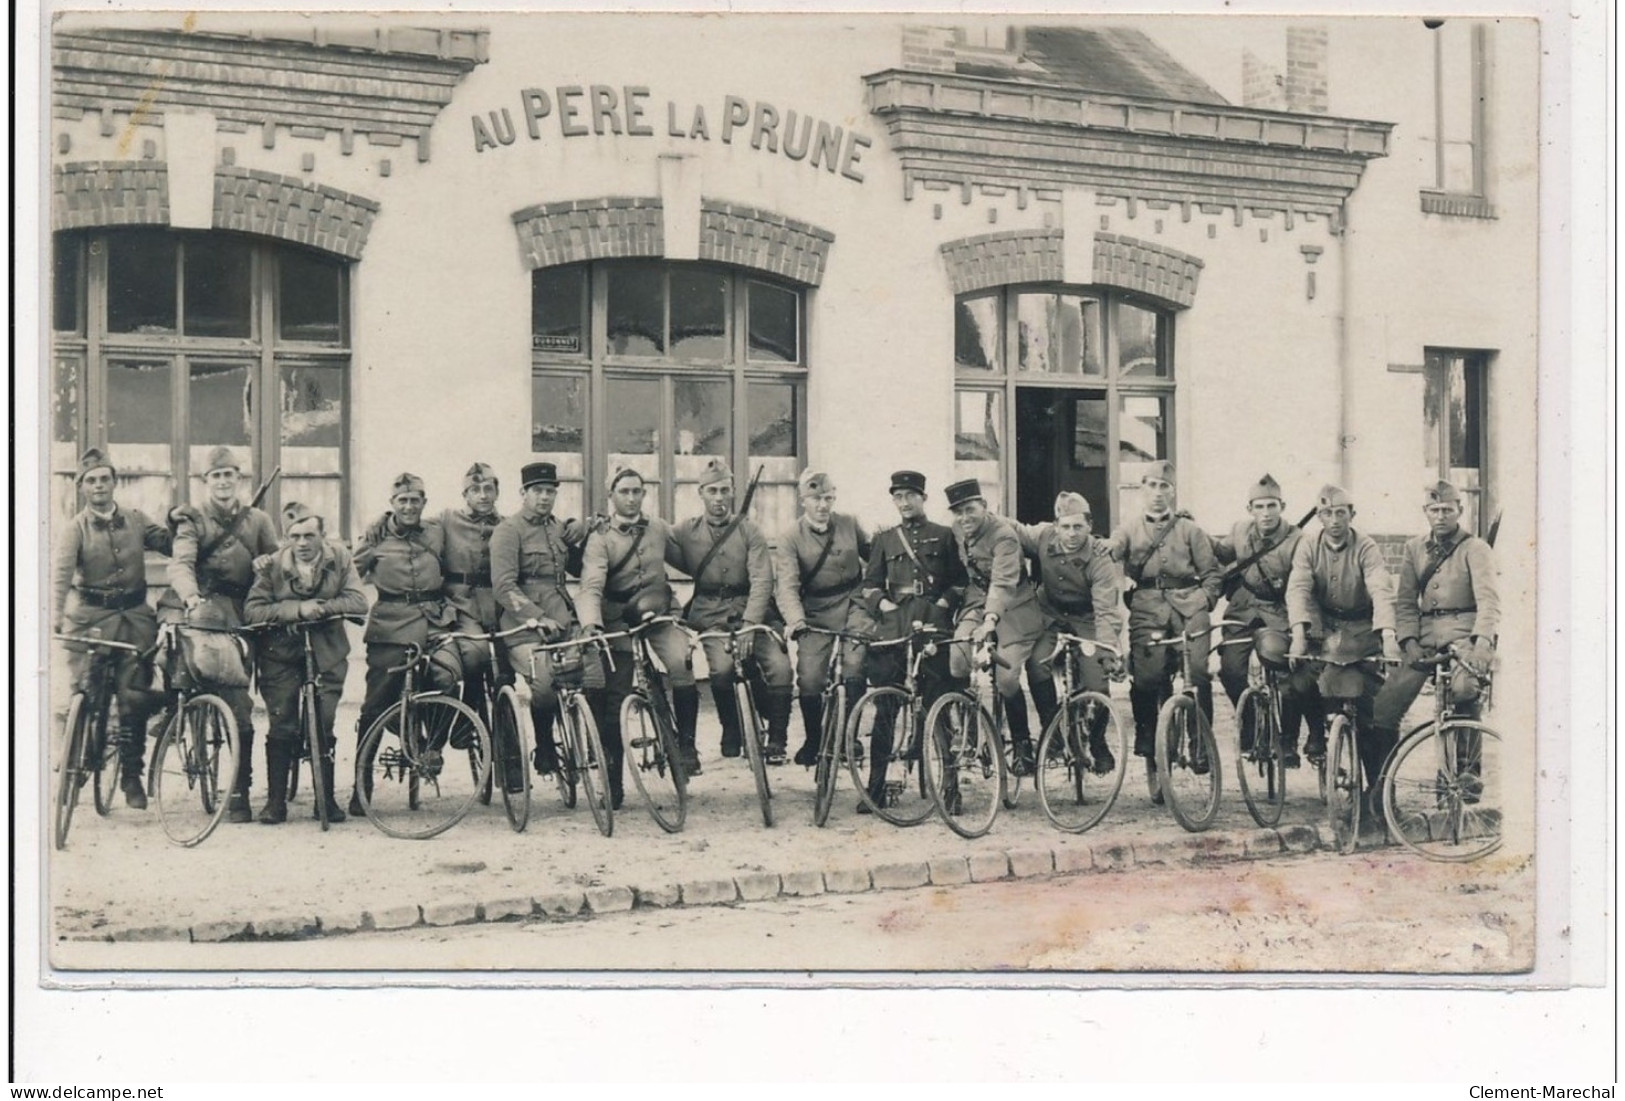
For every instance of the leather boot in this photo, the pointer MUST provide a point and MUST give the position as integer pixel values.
(1047, 702)
(1104, 761)
(1021, 735)
(546, 755)
(776, 705)
(1144, 703)
(132, 752)
(722, 694)
(275, 811)
(685, 703)
(854, 688)
(238, 809)
(812, 721)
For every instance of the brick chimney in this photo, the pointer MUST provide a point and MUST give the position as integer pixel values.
(928, 49)
(1306, 69)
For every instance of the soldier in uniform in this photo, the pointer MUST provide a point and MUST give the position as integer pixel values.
(623, 579)
(727, 557)
(818, 568)
(999, 602)
(914, 575)
(209, 578)
(308, 579)
(401, 555)
(1078, 585)
(1259, 554)
(1173, 582)
(100, 561)
(532, 552)
(1447, 599)
(1339, 596)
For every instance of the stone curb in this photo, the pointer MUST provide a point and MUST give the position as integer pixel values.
(976, 867)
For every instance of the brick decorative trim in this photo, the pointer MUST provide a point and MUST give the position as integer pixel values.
(575, 230)
(1034, 256)
(254, 201)
(1457, 204)
(109, 193)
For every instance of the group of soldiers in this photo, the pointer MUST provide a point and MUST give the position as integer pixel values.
(469, 570)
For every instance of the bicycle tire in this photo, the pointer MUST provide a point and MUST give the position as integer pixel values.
(1012, 777)
(309, 721)
(400, 766)
(295, 766)
(1343, 787)
(568, 760)
(1435, 803)
(1073, 796)
(651, 755)
(510, 720)
(105, 760)
(750, 731)
(589, 762)
(1265, 792)
(964, 764)
(906, 804)
(830, 748)
(194, 769)
(69, 770)
(1192, 796)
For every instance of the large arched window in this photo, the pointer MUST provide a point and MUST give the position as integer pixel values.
(1061, 388)
(660, 365)
(168, 343)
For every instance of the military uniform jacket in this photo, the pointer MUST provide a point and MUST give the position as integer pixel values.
(224, 577)
(914, 582)
(101, 564)
(1461, 600)
(466, 563)
(1262, 593)
(277, 592)
(1079, 588)
(530, 560)
(995, 582)
(1333, 589)
(603, 596)
(738, 579)
(1180, 572)
(822, 598)
(404, 565)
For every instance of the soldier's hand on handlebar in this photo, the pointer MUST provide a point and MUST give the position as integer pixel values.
(1299, 648)
(1413, 652)
(310, 609)
(547, 626)
(1112, 665)
(796, 630)
(887, 605)
(1390, 646)
(1478, 657)
(591, 630)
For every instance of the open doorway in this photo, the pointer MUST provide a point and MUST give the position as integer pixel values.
(1062, 443)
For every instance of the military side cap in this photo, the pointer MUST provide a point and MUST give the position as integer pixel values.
(406, 483)
(814, 483)
(479, 472)
(1071, 504)
(716, 470)
(1443, 493)
(961, 493)
(1331, 496)
(911, 480)
(221, 458)
(617, 472)
(94, 459)
(538, 474)
(1264, 489)
(1161, 470)
(296, 513)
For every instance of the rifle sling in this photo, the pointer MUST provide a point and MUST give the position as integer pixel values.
(710, 553)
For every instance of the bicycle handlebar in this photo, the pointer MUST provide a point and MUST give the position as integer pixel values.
(104, 642)
(739, 632)
(484, 636)
(279, 625)
(1087, 645)
(1186, 637)
(918, 629)
(844, 636)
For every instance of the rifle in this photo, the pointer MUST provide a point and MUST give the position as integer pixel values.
(259, 494)
(1495, 528)
(739, 515)
(1232, 577)
(750, 490)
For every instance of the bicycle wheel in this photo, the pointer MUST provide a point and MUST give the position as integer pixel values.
(1259, 766)
(309, 722)
(1012, 774)
(106, 764)
(510, 733)
(1184, 745)
(568, 756)
(408, 784)
(751, 733)
(964, 764)
(71, 769)
(1442, 791)
(651, 756)
(1343, 784)
(829, 754)
(906, 799)
(194, 768)
(1074, 794)
(586, 753)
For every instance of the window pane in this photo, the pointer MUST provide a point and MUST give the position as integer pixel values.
(311, 302)
(1466, 413)
(978, 428)
(139, 431)
(558, 416)
(1142, 438)
(219, 287)
(219, 411)
(558, 304)
(1139, 349)
(637, 310)
(703, 419)
(773, 422)
(699, 315)
(976, 333)
(65, 401)
(312, 432)
(65, 284)
(632, 407)
(140, 282)
(774, 326)
(1060, 334)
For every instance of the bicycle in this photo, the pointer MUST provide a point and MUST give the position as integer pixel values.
(963, 755)
(1186, 772)
(194, 765)
(1074, 789)
(832, 741)
(508, 722)
(88, 754)
(403, 780)
(903, 802)
(578, 750)
(753, 729)
(1442, 783)
(649, 730)
(1261, 752)
(1341, 786)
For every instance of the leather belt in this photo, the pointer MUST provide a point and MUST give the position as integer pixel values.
(1357, 615)
(1167, 583)
(408, 598)
(1085, 607)
(1439, 613)
(478, 580)
(112, 601)
(831, 590)
(724, 591)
